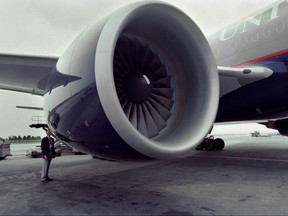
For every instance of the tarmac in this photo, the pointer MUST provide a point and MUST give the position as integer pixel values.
(249, 177)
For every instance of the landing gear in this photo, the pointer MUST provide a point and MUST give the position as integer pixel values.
(211, 144)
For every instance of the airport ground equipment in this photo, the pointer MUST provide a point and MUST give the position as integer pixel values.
(4, 150)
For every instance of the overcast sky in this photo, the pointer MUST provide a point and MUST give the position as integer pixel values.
(47, 27)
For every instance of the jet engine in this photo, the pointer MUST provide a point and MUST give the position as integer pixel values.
(141, 82)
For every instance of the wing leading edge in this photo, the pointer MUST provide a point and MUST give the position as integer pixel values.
(27, 74)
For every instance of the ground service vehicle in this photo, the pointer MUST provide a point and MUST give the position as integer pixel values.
(4, 150)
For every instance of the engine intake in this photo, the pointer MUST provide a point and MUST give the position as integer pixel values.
(143, 85)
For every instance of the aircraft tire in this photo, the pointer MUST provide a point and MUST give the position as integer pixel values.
(210, 145)
(219, 144)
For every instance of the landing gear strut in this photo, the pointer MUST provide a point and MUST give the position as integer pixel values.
(211, 144)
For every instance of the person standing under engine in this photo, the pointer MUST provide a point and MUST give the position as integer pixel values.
(48, 152)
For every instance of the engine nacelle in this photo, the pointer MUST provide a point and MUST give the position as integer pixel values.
(141, 82)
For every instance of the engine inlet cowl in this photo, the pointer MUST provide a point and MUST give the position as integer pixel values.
(160, 89)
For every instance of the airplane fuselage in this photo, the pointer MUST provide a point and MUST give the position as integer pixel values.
(260, 40)
(257, 38)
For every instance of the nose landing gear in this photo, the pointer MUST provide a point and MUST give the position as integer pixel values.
(211, 144)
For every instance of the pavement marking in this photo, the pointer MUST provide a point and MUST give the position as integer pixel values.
(243, 158)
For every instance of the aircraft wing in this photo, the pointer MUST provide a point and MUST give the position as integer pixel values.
(27, 74)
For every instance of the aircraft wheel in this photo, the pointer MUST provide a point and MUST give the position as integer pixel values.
(219, 144)
(210, 145)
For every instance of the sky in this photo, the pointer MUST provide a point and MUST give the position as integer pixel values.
(47, 27)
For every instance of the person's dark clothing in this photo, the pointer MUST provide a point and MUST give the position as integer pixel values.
(48, 150)
(47, 147)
